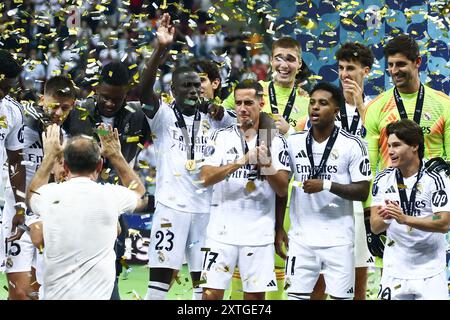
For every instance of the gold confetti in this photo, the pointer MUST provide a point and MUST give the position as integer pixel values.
(132, 139)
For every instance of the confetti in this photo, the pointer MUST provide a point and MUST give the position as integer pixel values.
(297, 184)
(102, 132)
(132, 139)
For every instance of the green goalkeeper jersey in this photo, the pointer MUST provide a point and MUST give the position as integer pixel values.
(435, 123)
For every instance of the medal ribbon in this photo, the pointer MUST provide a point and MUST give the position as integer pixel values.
(331, 140)
(182, 125)
(407, 205)
(418, 108)
(274, 104)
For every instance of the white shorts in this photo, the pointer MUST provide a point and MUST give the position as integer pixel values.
(362, 253)
(17, 255)
(175, 234)
(305, 263)
(432, 288)
(256, 265)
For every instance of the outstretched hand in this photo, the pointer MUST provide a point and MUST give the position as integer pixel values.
(52, 141)
(165, 32)
(109, 141)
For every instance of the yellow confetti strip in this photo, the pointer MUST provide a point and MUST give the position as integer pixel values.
(132, 139)
(297, 184)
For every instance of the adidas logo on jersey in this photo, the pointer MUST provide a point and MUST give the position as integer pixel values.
(370, 260)
(36, 145)
(391, 189)
(272, 284)
(232, 151)
(301, 154)
(350, 290)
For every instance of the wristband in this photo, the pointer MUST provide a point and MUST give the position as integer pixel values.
(326, 185)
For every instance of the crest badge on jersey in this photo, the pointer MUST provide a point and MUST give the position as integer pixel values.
(334, 155)
(439, 198)
(427, 116)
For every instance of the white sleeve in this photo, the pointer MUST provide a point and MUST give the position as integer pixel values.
(14, 140)
(125, 198)
(377, 194)
(440, 197)
(39, 201)
(229, 118)
(280, 154)
(213, 152)
(359, 166)
(159, 121)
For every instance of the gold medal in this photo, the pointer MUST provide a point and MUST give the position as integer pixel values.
(190, 165)
(250, 186)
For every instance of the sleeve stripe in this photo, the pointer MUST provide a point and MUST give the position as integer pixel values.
(438, 181)
(352, 137)
(383, 173)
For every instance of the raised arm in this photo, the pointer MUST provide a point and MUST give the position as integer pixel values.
(164, 37)
(52, 150)
(110, 146)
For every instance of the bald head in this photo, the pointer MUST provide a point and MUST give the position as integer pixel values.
(82, 154)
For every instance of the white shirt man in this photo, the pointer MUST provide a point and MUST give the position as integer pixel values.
(79, 216)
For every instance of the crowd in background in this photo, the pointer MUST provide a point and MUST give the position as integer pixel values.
(116, 30)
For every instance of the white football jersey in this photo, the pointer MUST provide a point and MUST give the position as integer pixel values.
(239, 217)
(176, 187)
(323, 218)
(411, 253)
(33, 153)
(11, 126)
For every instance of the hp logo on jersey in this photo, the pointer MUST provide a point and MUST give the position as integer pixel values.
(283, 157)
(439, 198)
(364, 167)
